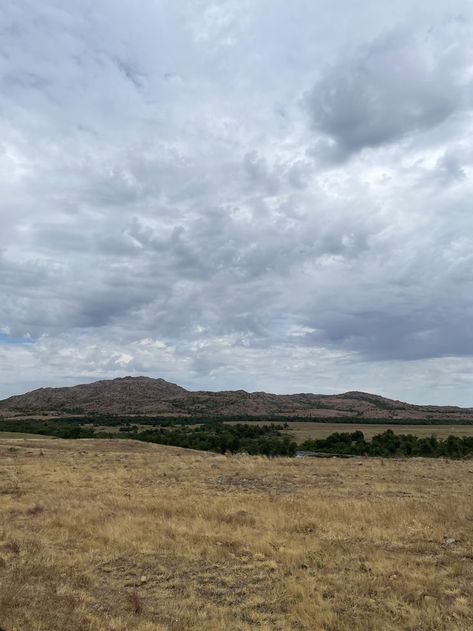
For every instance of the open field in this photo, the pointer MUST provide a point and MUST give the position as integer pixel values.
(301, 431)
(121, 535)
(18, 435)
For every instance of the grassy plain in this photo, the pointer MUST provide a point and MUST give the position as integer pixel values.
(18, 435)
(100, 535)
(301, 431)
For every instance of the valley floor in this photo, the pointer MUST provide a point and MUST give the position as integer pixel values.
(119, 535)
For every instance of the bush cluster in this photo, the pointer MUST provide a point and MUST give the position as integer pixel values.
(390, 444)
(267, 440)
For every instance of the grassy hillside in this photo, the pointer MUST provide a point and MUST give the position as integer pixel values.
(120, 535)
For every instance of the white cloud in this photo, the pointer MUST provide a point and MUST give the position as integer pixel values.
(169, 207)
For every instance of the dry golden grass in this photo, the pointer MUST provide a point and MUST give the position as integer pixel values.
(120, 535)
(301, 431)
(18, 435)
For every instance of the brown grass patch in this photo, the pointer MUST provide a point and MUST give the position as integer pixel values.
(301, 431)
(120, 535)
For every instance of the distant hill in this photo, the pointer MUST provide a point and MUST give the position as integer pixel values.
(143, 395)
(112, 396)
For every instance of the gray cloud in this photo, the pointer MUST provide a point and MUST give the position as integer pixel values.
(162, 211)
(401, 83)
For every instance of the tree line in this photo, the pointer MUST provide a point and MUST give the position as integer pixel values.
(389, 444)
(267, 440)
(270, 440)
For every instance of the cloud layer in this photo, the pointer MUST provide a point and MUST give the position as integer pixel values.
(402, 84)
(237, 194)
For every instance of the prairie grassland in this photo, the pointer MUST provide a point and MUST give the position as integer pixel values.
(17, 435)
(120, 535)
(301, 431)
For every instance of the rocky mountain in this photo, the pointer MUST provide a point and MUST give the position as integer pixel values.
(109, 396)
(143, 395)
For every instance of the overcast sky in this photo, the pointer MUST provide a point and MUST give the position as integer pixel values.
(255, 194)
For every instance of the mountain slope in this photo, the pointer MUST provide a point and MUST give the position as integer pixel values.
(143, 395)
(113, 396)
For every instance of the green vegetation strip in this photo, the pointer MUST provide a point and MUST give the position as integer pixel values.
(213, 435)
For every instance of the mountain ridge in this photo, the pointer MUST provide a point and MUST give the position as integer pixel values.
(150, 396)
